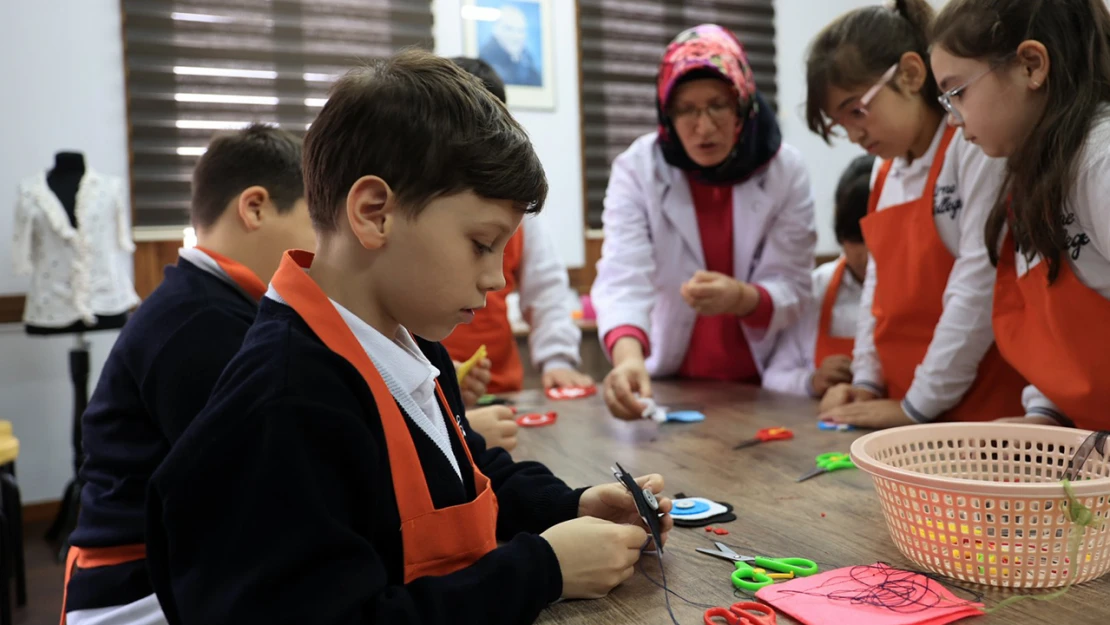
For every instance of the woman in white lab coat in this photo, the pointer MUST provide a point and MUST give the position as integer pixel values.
(709, 230)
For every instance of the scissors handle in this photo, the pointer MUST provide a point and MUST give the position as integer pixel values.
(800, 567)
(774, 434)
(834, 461)
(766, 435)
(747, 578)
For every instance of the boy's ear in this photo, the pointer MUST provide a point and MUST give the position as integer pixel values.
(912, 72)
(249, 207)
(370, 211)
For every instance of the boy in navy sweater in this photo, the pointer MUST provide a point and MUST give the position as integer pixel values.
(333, 478)
(247, 208)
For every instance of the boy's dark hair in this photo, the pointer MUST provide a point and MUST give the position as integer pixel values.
(484, 72)
(427, 128)
(259, 154)
(853, 192)
(1041, 173)
(855, 50)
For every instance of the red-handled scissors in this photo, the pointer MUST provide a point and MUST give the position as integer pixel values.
(743, 613)
(765, 435)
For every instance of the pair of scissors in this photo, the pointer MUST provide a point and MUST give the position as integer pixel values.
(827, 463)
(743, 613)
(746, 577)
(766, 435)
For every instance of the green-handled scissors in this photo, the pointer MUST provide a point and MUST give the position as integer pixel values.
(745, 577)
(827, 463)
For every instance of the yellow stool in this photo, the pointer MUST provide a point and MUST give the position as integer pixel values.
(11, 525)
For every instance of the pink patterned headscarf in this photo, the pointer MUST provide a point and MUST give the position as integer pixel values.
(711, 47)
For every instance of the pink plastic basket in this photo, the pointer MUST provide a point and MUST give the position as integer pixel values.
(983, 502)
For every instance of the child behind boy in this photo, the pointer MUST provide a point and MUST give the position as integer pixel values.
(247, 207)
(815, 353)
(326, 481)
(532, 267)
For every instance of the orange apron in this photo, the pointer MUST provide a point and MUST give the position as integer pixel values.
(491, 328)
(242, 276)
(827, 344)
(1056, 336)
(912, 266)
(95, 557)
(434, 542)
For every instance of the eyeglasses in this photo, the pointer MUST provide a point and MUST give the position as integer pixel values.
(857, 114)
(717, 112)
(946, 97)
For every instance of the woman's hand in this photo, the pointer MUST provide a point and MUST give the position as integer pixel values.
(711, 293)
(628, 378)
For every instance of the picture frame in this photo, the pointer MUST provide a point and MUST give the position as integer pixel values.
(515, 38)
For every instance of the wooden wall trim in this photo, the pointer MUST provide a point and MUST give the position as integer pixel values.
(11, 308)
(151, 258)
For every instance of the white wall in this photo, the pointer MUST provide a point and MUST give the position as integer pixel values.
(63, 63)
(556, 135)
(796, 23)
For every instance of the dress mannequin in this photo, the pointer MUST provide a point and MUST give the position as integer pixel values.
(65, 181)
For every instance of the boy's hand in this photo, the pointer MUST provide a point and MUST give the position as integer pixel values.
(594, 555)
(613, 502)
(875, 414)
(563, 378)
(843, 394)
(496, 424)
(834, 370)
(474, 384)
(711, 293)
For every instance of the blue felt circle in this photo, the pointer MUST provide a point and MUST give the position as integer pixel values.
(685, 416)
(698, 508)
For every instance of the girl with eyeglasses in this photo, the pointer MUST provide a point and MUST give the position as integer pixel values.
(709, 230)
(1030, 81)
(924, 347)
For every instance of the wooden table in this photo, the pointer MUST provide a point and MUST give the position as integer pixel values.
(776, 516)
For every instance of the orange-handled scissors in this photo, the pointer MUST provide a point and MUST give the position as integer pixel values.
(743, 613)
(766, 435)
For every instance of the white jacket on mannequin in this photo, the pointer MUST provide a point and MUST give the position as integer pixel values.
(76, 273)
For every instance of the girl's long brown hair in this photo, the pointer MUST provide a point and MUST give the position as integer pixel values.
(1040, 175)
(856, 49)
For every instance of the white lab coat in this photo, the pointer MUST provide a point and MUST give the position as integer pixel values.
(652, 246)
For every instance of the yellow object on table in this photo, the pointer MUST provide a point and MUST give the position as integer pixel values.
(465, 367)
(9, 449)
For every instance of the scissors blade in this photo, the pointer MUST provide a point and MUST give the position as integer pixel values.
(811, 474)
(748, 443)
(716, 554)
(723, 548)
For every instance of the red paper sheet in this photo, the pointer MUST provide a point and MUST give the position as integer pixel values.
(816, 608)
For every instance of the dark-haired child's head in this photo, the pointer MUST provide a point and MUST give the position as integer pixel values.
(1026, 80)
(416, 177)
(248, 196)
(484, 72)
(853, 192)
(1006, 62)
(868, 78)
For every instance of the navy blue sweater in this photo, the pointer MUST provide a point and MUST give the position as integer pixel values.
(156, 380)
(277, 506)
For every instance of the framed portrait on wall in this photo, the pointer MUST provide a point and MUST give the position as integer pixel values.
(515, 38)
